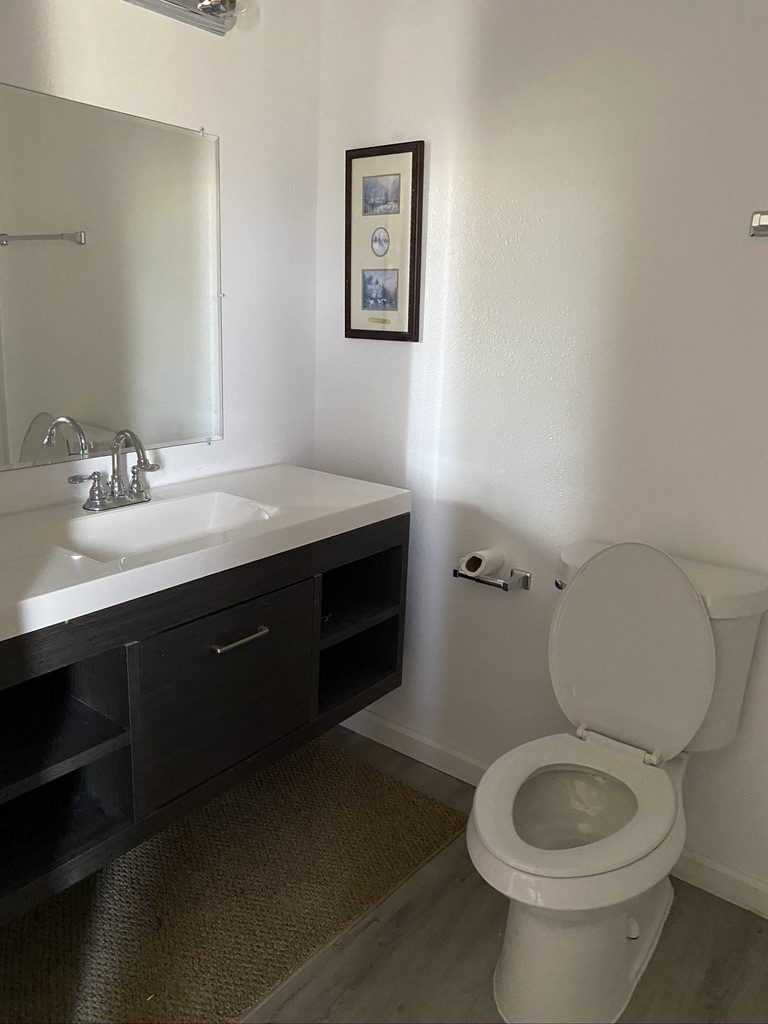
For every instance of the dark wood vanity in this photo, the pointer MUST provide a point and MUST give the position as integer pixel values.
(116, 723)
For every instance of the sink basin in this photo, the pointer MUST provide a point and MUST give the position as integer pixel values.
(172, 527)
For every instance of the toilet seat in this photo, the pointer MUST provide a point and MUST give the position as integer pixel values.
(649, 826)
(631, 650)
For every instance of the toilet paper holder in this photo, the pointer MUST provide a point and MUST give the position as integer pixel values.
(519, 579)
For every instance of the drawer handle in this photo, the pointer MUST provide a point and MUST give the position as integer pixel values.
(260, 632)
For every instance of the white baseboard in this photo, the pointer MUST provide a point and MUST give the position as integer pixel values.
(744, 890)
(736, 887)
(407, 741)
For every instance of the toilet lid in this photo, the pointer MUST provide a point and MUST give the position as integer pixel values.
(631, 651)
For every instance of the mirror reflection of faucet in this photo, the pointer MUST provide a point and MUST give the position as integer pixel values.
(117, 493)
(84, 445)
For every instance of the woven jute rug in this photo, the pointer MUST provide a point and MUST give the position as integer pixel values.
(201, 921)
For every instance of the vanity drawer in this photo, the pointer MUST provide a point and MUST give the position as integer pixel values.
(218, 689)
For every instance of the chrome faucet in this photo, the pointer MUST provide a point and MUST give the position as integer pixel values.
(83, 443)
(117, 494)
(137, 490)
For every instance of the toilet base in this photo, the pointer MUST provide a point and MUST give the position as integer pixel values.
(577, 967)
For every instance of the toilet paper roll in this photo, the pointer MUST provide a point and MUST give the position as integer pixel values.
(482, 563)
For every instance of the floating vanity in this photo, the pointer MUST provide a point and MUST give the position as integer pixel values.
(151, 657)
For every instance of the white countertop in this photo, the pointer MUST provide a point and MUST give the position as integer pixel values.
(44, 580)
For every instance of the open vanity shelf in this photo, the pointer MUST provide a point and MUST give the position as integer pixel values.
(351, 667)
(55, 724)
(49, 826)
(359, 595)
(119, 722)
(359, 627)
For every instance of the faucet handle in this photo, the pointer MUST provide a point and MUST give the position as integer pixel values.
(83, 478)
(97, 496)
(136, 489)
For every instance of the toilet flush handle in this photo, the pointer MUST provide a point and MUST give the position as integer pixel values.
(560, 584)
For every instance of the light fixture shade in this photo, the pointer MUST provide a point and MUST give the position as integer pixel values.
(220, 17)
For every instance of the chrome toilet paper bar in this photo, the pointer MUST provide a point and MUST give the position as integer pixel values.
(519, 579)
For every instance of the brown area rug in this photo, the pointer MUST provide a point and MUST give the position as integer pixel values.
(201, 921)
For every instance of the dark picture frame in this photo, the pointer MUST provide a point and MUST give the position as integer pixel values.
(382, 241)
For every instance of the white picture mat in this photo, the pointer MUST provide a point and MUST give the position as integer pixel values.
(398, 256)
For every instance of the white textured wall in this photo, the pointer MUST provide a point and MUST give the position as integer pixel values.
(256, 89)
(594, 357)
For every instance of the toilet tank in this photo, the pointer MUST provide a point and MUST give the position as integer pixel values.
(735, 600)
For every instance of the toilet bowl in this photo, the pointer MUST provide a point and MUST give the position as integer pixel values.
(581, 831)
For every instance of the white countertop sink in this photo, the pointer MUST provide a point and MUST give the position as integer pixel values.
(163, 529)
(61, 562)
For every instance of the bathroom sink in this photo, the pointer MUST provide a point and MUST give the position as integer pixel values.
(163, 528)
(58, 562)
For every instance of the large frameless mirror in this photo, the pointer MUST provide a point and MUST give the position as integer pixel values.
(109, 280)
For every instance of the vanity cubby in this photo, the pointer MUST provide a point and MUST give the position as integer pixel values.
(359, 627)
(353, 666)
(48, 827)
(117, 723)
(359, 595)
(58, 723)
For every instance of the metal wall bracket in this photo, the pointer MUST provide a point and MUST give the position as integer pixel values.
(519, 579)
(78, 237)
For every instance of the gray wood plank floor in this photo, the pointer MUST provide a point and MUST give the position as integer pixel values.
(427, 953)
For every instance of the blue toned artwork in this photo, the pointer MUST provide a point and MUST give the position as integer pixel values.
(380, 242)
(380, 289)
(381, 194)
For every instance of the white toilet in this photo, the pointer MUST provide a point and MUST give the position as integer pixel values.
(649, 657)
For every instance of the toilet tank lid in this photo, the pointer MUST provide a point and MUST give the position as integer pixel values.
(727, 593)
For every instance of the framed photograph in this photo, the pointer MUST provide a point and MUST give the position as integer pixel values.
(384, 188)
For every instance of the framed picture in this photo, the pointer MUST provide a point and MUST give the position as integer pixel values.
(384, 187)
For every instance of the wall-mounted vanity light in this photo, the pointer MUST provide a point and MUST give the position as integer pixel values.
(217, 16)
